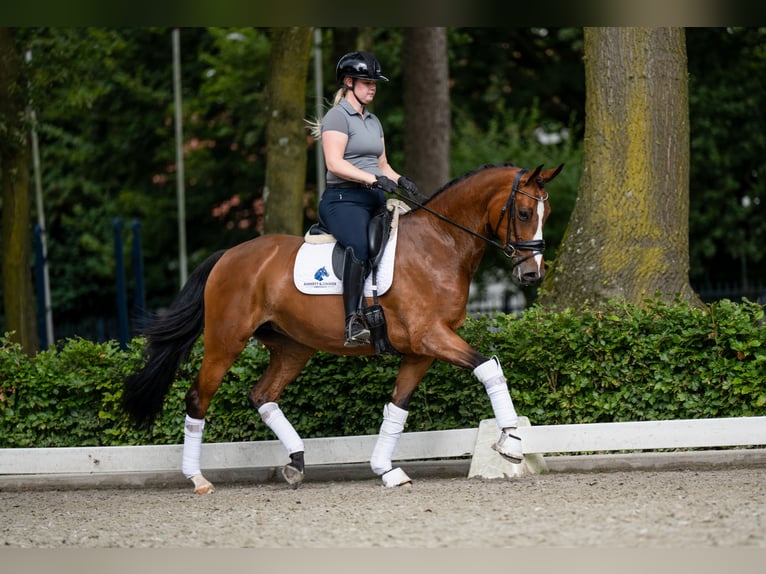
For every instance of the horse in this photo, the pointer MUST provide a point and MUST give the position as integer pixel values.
(247, 291)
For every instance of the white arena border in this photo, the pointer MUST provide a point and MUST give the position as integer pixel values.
(413, 446)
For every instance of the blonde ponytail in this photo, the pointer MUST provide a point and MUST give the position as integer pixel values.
(314, 126)
(339, 95)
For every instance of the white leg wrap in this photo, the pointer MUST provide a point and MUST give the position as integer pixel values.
(390, 431)
(491, 375)
(192, 446)
(275, 419)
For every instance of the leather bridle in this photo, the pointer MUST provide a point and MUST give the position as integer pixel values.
(535, 246)
(509, 248)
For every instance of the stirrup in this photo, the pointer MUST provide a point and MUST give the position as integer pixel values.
(357, 340)
(357, 334)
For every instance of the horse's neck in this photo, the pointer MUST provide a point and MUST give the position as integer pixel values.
(446, 235)
(464, 206)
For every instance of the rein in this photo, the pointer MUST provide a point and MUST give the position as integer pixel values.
(537, 246)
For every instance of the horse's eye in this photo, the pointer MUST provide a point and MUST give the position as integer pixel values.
(525, 214)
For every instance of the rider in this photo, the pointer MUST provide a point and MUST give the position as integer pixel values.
(358, 174)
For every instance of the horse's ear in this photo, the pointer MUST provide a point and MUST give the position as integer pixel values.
(548, 175)
(532, 176)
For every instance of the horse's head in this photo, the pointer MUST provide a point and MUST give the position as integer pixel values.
(517, 216)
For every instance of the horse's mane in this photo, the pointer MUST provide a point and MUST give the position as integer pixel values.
(465, 176)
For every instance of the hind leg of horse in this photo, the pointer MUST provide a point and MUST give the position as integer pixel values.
(215, 363)
(446, 345)
(395, 413)
(287, 360)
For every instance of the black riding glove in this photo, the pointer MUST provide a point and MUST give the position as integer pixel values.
(408, 186)
(411, 189)
(385, 184)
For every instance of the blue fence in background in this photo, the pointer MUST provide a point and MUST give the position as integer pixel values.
(730, 290)
(117, 327)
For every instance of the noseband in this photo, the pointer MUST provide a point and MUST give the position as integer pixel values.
(535, 246)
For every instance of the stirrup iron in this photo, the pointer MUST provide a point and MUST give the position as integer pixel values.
(356, 333)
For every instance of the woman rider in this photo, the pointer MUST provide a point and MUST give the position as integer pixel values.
(358, 176)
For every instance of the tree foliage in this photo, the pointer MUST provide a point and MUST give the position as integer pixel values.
(727, 97)
(104, 101)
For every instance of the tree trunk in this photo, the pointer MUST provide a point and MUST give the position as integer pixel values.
(427, 122)
(18, 294)
(628, 234)
(286, 154)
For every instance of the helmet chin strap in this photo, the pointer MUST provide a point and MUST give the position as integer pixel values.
(353, 92)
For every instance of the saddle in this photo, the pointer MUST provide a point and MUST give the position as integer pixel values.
(378, 235)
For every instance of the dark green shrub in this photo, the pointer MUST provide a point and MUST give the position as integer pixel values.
(614, 362)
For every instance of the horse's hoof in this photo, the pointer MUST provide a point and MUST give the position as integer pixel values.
(201, 485)
(396, 477)
(509, 446)
(292, 475)
(513, 459)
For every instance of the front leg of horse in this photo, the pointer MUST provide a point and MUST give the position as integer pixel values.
(490, 373)
(391, 430)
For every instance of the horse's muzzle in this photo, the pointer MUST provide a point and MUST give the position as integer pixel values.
(530, 278)
(528, 271)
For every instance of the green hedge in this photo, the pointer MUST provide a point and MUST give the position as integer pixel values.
(615, 362)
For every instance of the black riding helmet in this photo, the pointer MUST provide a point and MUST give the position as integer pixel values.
(358, 65)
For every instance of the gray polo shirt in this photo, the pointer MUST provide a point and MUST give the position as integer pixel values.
(365, 138)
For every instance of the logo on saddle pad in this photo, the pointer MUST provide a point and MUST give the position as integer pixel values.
(321, 273)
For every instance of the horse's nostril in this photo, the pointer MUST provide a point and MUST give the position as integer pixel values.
(531, 277)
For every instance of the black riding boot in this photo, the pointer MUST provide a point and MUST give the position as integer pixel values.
(357, 332)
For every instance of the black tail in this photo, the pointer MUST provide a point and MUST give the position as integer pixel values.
(170, 337)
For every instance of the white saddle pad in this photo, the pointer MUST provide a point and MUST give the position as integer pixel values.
(313, 273)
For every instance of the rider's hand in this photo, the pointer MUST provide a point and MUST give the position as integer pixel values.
(384, 183)
(408, 186)
(411, 189)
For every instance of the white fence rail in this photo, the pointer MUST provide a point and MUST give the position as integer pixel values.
(547, 439)
(645, 435)
(256, 454)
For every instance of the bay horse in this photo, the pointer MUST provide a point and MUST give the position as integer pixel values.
(248, 291)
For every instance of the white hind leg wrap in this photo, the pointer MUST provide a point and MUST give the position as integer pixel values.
(390, 431)
(192, 446)
(491, 375)
(275, 419)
